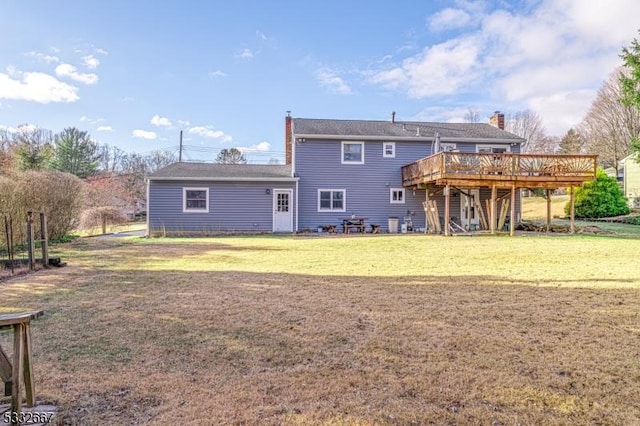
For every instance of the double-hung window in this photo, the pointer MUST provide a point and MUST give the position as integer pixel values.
(195, 200)
(331, 200)
(388, 149)
(352, 152)
(396, 195)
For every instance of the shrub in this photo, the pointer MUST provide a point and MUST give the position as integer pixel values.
(101, 216)
(599, 198)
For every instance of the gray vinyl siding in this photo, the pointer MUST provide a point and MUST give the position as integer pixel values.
(233, 206)
(318, 166)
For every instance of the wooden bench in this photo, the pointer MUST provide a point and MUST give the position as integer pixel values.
(15, 373)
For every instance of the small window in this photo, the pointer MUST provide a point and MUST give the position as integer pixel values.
(492, 149)
(352, 152)
(195, 200)
(331, 200)
(396, 195)
(447, 147)
(389, 149)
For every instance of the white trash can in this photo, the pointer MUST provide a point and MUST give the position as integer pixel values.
(403, 228)
(393, 225)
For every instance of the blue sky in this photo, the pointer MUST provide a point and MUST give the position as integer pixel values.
(135, 73)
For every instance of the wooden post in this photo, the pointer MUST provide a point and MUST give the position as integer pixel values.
(468, 211)
(494, 208)
(512, 222)
(426, 210)
(16, 388)
(31, 241)
(26, 362)
(447, 207)
(44, 234)
(548, 194)
(572, 220)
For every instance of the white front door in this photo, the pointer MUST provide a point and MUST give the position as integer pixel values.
(468, 213)
(282, 214)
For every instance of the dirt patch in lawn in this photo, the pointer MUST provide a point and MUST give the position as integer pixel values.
(237, 347)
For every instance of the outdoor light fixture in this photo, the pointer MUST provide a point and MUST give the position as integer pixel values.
(267, 191)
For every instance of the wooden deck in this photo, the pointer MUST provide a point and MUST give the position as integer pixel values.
(501, 170)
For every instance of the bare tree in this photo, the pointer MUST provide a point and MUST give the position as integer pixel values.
(32, 146)
(471, 116)
(110, 158)
(528, 125)
(610, 125)
(231, 156)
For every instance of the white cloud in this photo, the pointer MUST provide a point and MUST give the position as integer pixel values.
(144, 134)
(42, 57)
(210, 133)
(68, 70)
(449, 18)
(262, 36)
(156, 120)
(102, 52)
(555, 51)
(329, 79)
(104, 129)
(441, 69)
(184, 123)
(36, 87)
(246, 54)
(90, 62)
(217, 74)
(260, 147)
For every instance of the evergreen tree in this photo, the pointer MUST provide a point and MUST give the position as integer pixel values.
(75, 153)
(599, 198)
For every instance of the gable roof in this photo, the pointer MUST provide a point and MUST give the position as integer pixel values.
(224, 172)
(411, 130)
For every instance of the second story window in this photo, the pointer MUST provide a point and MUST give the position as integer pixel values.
(388, 149)
(352, 152)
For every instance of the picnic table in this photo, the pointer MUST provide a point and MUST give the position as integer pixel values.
(353, 223)
(14, 373)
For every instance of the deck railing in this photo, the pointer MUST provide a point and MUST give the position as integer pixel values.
(503, 166)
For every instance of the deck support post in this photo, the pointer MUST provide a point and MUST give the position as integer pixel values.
(447, 207)
(426, 211)
(548, 196)
(494, 208)
(512, 220)
(572, 220)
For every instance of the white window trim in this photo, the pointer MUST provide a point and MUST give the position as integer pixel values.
(392, 190)
(184, 200)
(478, 147)
(393, 150)
(332, 210)
(448, 146)
(342, 152)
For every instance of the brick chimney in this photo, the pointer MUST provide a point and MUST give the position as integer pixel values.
(497, 120)
(288, 135)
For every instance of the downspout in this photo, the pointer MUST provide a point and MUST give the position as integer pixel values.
(147, 208)
(293, 173)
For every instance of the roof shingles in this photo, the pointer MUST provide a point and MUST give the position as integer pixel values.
(222, 171)
(399, 129)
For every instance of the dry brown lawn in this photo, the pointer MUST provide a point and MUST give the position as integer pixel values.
(197, 332)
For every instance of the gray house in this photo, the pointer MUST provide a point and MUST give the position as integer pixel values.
(199, 198)
(424, 175)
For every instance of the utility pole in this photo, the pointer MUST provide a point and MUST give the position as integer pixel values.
(180, 152)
